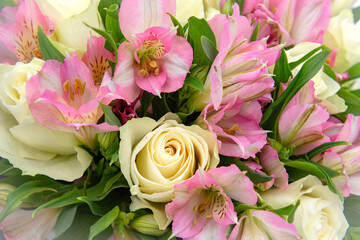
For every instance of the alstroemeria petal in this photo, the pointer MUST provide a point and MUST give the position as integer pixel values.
(124, 75)
(235, 184)
(148, 13)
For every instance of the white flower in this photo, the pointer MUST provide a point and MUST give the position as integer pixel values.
(25, 143)
(188, 8)
(69, 17)
(154, 156)
(325, 87)
(338, 5)
(320, 213)
(343, 36)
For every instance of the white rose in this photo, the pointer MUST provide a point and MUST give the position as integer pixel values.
(26, 144)
(338, 5)
(188, 8)
(320, 213)
(325, 87)
(343, 36)
(154, 156)
(69, 17)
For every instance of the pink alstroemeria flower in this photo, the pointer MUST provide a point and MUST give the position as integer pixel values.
(261, 224)
(235, 125)
(344, 159)
(154, 59)
(202, 208)
(63, 96)
(240, 68)
(290, 21)
(302, 123)
(269, 160)
(97, 59)
(20, 37)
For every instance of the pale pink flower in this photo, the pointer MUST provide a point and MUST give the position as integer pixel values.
(202, 208)
(271, 164)
(240, 68)
(155, 59)
(21, 225)
(344, 159)
(302, 123)
(261, 224)
(290, 21)
(63, 96)
(20, 36)
(235, 125)
(97, 59)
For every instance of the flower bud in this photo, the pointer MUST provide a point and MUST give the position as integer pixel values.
(147, 225)
(5, 190)
(106, 139)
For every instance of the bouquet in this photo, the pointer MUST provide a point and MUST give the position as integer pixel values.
(187, 119)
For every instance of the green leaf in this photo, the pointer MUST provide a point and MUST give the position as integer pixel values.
(310, 68)
(197, 29)
(240, 207)
(80, 226)
(112, 23)
(110, 117)
(101, 207)
(324, 147)
(5, 3)
(15, 198)
(285, 211)
(180, 30)
(314, 170)
(241, 4)
(67, 199)
(306, 57)
(47, 49)
(114, 158)
(109, 39)
(209, 49)
(105, 4)
(65, 220)
(352, 210)
(356, 13)
(282, 71)
(252, 175)
(352, 233)
(292, 213)
(103, 223)
(108, 182)
(255, 32)
(330, 72)
(352, 101)
(194, 82)
(145, 103)
(354, 71)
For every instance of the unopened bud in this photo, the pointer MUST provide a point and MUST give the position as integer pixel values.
(147, 225)
(5, 190)
(106, 139)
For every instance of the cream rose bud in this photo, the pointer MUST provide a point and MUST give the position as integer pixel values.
(69, 17)
(154, 156)
(343, 36)
(320, 213)
(325, 87)
(26, 144)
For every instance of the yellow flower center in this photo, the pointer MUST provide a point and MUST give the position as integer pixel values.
(78, 88)
(148, 53)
